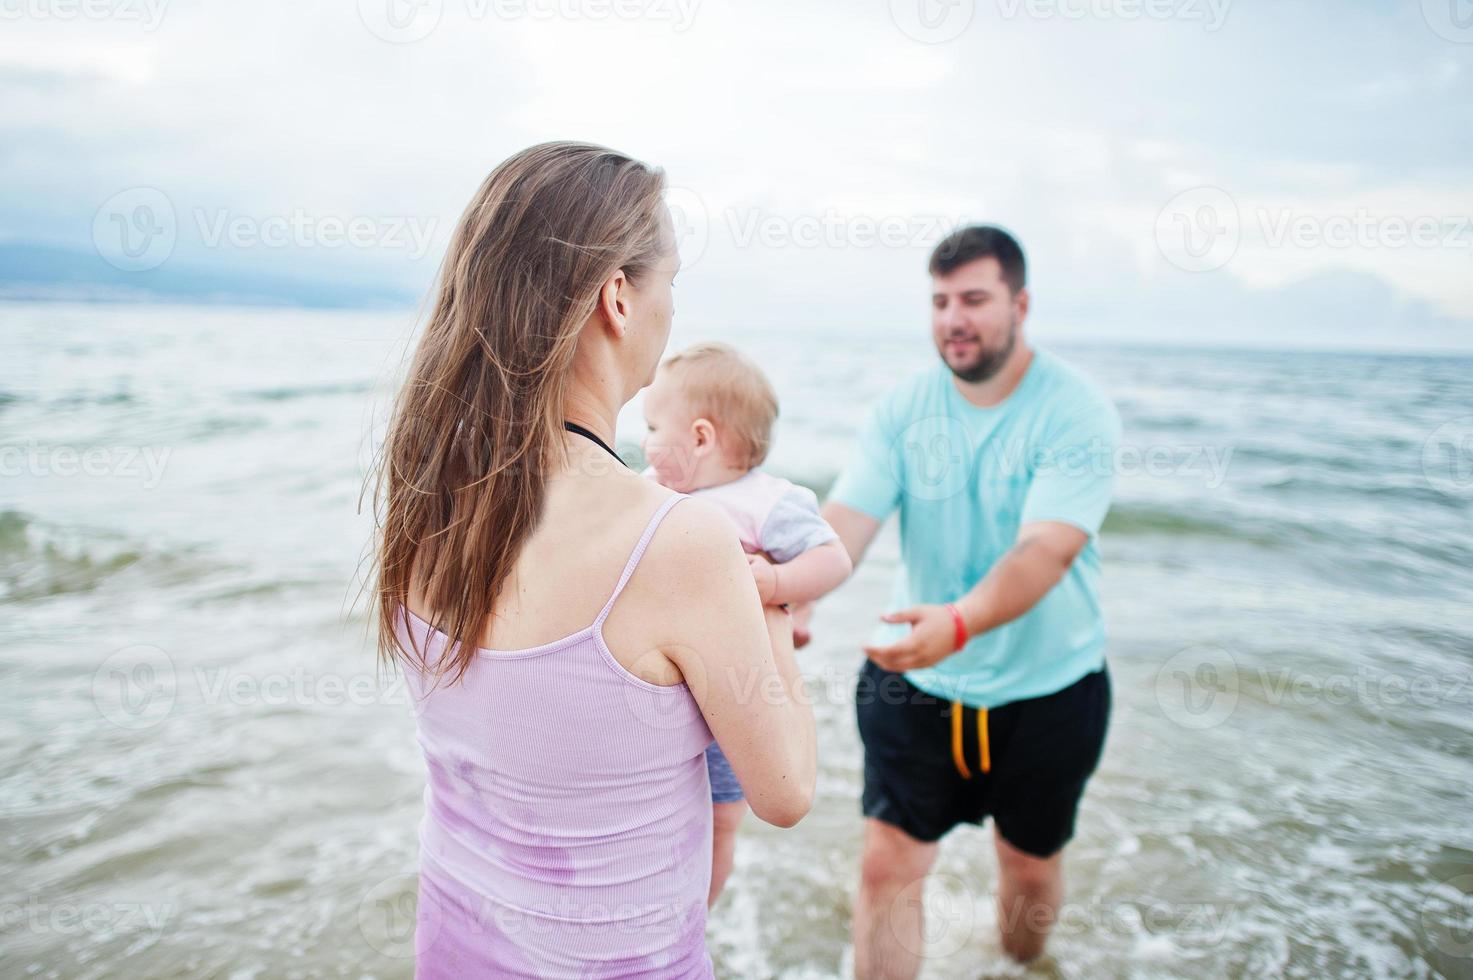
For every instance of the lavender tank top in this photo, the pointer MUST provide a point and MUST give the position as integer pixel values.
(567, 824)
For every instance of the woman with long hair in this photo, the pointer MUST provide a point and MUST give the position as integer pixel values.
(573, 633)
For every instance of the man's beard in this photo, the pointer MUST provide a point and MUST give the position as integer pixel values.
(989, 362)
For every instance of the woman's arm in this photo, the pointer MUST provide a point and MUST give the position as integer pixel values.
(737, 659)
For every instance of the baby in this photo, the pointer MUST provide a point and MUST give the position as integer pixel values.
(710, 413)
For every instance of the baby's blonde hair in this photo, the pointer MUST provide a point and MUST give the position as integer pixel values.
(722, 384)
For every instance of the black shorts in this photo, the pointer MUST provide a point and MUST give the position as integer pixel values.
(931, 764)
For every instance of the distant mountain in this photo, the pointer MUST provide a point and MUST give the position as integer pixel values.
(32, 271)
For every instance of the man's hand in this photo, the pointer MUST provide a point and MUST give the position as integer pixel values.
(932, 639)
(766, 576)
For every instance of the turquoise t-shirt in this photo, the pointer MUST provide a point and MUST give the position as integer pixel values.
(965, 479)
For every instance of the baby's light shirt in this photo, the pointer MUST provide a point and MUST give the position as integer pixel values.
(771, 514)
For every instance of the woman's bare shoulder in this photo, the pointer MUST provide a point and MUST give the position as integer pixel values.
(691, 532)
(694, 530)
(693, 582)
(693, 553)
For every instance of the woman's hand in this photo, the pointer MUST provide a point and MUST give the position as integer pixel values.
(766, 575)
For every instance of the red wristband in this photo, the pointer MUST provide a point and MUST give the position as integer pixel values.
(961, 626)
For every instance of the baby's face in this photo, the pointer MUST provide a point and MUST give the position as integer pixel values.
(670, 443)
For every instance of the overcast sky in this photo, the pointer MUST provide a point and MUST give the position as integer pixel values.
(1207, 171)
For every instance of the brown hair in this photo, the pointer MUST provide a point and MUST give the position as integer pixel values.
(720, 383)
(460, 483)
(981, 242)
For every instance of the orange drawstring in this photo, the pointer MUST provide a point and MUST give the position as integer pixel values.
(957, 754)
(984, 748)
(982, 744)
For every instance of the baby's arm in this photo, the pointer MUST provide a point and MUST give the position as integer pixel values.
(808, 559)
(813, 574)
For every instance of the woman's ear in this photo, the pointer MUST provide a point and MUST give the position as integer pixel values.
(613, 302)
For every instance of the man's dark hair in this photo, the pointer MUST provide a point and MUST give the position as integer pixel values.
(981, 242)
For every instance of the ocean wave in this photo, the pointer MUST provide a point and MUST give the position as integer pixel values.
(1338, 460)
(1140, 415)
(1411, 489)
(1146, 519)
(292, 392)
(1134, 519)
(39, 560)
(78, 399)
(35, 563)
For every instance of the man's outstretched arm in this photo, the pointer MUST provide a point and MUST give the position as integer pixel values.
(1034, 564)
(854, 527)
(1024, 575)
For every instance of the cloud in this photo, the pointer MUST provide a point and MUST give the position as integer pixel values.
(784, 122)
